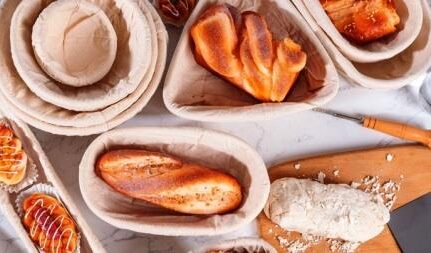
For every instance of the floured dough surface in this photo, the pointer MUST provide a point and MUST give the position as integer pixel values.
(331, 211)
(74, 42)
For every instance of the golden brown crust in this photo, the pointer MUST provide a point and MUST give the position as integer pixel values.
(259, 41)
(168, 182)
(242, 50)
(13, 160)
(49, 224)
(363, 21)
(6, 133)
(217, 52)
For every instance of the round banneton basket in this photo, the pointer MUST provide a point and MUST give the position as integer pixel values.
(200, 95)
(73, 54)
(73, 123)
(243, 245)
(209, 148)
(411, 16)
(133, 61)
(392, 73)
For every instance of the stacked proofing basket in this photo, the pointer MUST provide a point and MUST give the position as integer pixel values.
(385, 64)
(134, 41)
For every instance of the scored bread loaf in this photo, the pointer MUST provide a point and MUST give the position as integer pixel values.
(169, 182)
(241, 49)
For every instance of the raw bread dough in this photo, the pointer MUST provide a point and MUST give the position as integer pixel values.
(74, 42)
(332, 211)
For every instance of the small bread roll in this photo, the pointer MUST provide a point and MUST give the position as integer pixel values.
(49, 224)
(13, 160)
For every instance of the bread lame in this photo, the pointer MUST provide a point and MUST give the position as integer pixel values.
(396, 129)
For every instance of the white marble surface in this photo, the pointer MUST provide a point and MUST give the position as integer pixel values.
(301, 135)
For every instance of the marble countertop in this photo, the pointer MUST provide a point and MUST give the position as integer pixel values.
(300, 135)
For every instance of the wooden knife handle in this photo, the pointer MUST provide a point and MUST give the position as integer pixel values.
(399, 130)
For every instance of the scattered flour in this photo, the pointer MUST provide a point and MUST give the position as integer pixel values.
(299, 245)
(386, 191)
(355, 185)
(321, 177)
(342, 246)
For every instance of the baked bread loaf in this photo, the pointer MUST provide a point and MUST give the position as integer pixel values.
(241, 49)
(169, 182)
(49, 224)
(363, 21)
(13, 160)
(331, 211)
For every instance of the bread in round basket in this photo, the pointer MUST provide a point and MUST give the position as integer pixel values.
(74, 42)
(133, 59)
(392, 73)
(160, 42)
(409, 12)
(208, 148)
(200, 95)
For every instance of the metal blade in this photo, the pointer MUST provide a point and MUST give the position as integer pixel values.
(339, 115)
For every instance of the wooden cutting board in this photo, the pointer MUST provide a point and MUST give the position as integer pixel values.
(410, 167)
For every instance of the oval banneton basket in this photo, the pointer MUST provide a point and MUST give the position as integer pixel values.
(89, 242)
(245, 245)
(392, 73)
(213, 149)
(154, 80)
(192, 92)
(411, 16)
